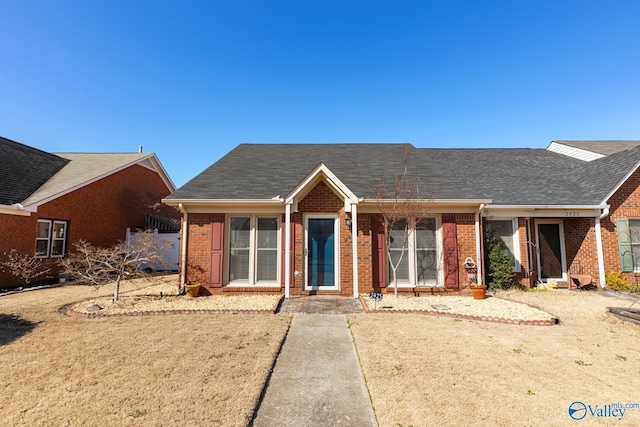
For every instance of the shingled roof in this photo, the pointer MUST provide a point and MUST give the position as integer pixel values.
(518, 176)
(24, 170)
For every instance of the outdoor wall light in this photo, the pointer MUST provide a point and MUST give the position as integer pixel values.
(347, 221)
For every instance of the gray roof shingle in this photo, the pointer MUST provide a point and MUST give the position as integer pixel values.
(510, 176)
(24, 169)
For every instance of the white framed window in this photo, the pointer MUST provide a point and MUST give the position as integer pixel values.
(419, 258)
(506, 231)
(634, 241)
(51, 238)
(253, 248)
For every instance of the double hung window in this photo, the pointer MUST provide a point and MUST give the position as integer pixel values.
(253, 250)
(413, 248)
(51, 237)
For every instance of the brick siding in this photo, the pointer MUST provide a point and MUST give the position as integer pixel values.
(99, 213)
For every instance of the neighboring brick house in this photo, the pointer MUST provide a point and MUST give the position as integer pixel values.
(304, 218)
(49, 201)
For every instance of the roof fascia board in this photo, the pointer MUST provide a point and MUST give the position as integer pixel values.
(208, 205)
(34, 206)
(620, 183)
(543, 211)
(162, 172)
(13, 210)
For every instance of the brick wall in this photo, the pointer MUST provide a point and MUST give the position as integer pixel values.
(99, 213)
(466, 231)
(199, 247)
(625, 203)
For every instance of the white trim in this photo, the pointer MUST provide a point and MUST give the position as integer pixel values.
(542, 211)
(600, 252)
(287, 251)
(151, 157)
(336, 230)
(517, 268)
(14, 210)
(184, 234)
(576, 153)
(251, 281)
(621, 183)
(563, 257)
(354, 247)
(316, 175)
(410, 252)
(479, 255)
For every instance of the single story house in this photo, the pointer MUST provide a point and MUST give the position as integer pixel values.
(306, 218)
(48, 201)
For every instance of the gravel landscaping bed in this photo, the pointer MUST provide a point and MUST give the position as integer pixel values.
(161, 298)
(495, 309)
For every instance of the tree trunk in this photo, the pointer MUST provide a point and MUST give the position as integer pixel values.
(117, 288)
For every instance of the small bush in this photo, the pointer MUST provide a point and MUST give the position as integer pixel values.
(500, 264)
(616, 281)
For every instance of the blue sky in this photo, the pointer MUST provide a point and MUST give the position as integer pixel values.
(190, 80)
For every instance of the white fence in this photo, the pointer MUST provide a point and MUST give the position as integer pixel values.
(170, 242)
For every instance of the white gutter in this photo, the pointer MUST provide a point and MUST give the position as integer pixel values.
(354, 246)
(479, 258)
(15, 209)
(573, 207)
(599, 248)
(183, 244)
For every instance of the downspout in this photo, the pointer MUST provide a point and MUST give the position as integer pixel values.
(479, 258)
(183, 244)
(599, 250)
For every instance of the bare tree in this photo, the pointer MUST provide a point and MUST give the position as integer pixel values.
(403, 208)
(25, 268)
(100, 266)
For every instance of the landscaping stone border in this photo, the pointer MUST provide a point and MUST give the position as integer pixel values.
(69, 311)
(551, 322)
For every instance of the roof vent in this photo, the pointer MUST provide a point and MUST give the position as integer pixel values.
(139, 148)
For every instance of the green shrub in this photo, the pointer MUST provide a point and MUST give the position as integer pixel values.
(615, 280)
(500, 266)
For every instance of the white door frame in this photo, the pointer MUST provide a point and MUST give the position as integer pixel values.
(563, 257)
(336, 231)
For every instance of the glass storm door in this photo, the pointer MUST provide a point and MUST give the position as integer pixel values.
(550, 251)
(321, 253)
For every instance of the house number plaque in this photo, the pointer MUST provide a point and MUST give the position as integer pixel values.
(375, 296)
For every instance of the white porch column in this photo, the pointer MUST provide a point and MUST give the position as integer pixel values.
(287, 249)
(479, 277)
(354, 247)
(600, 253)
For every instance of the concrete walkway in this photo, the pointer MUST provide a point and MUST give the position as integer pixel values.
(317, 380)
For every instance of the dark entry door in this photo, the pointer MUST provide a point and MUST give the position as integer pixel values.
(321, 256)
(550, 251)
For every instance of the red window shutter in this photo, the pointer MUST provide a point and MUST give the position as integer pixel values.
(378, 252)
(217, 236)
(283, 253)
(450, 252)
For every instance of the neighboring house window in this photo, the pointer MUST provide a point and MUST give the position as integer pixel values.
(506, 231)
(253, 249)
(629, 243)
(51, 238)
(419, 262)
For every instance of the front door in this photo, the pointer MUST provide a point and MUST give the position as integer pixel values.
(551, 258)
(321, 253)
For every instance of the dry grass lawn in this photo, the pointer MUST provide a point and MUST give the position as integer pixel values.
(433, 371)
(144, 370)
